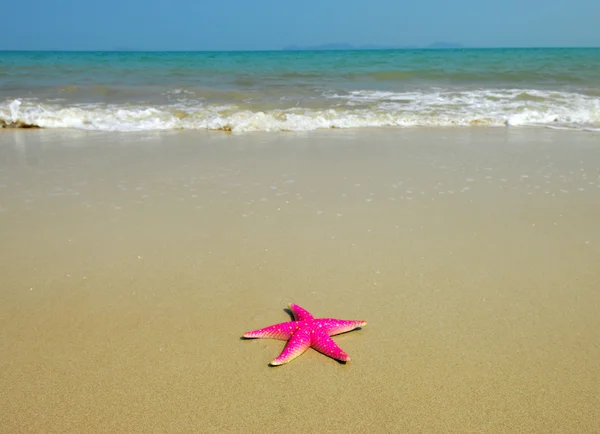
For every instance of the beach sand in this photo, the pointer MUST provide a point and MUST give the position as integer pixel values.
(131, 264)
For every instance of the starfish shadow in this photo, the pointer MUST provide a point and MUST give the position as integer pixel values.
(290, 313)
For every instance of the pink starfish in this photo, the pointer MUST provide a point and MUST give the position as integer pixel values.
(306, 332)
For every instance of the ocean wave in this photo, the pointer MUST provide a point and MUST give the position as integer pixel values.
(354, 109)
(437, 75)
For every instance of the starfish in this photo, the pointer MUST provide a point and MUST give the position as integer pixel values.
(307, 331)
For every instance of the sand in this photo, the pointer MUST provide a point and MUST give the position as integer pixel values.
(131, 264)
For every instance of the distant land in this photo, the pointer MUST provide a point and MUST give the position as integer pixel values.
(344, 46)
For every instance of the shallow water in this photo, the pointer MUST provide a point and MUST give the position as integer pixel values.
(299, 91)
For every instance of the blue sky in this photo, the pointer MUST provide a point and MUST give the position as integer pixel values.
(269, 24)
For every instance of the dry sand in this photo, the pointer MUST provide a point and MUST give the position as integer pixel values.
(132, 263)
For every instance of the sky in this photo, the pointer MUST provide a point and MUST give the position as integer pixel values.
(271, 25)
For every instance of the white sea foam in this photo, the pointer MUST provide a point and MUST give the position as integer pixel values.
(357, 109)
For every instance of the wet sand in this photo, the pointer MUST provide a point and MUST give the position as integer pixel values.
(131, 264)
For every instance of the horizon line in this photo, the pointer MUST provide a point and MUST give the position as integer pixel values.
(297, 48)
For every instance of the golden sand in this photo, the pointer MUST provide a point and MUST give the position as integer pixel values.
(132, 263)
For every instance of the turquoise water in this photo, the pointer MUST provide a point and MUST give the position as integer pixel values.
(304, 90)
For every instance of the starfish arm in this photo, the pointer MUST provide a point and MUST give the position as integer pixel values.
(299, 343)
(324, 344)
(281, 331)
(300, 314)
(336, 326)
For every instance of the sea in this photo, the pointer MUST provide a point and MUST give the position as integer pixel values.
(301, 90)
